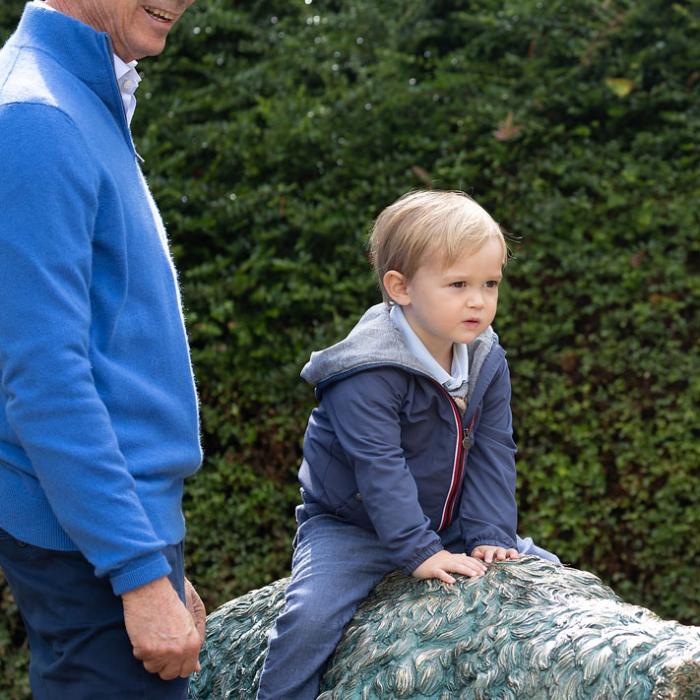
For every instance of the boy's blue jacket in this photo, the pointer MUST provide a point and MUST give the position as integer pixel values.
(98, 411)
(385, 448)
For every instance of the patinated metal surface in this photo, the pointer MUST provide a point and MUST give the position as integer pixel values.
(527, 629)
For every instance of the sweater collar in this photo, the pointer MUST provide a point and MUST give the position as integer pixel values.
(78, 48)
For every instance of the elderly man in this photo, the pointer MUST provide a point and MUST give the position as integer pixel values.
(98, 411)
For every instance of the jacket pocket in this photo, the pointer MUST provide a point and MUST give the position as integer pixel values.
(351, 507)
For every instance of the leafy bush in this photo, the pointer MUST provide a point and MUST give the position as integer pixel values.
(274, 134)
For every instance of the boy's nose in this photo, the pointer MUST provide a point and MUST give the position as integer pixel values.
(475, 300)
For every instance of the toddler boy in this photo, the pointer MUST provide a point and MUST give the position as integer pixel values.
(409, 455)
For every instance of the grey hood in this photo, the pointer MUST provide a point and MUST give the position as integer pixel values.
(376, 341)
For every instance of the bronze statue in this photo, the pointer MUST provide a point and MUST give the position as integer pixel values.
(528, 629)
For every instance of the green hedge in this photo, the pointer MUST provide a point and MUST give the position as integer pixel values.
(272, 137)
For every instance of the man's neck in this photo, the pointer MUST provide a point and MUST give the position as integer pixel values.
(60, 5)
(72, 9)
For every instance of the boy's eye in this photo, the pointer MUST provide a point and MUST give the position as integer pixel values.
(492, 284)
(458, 285)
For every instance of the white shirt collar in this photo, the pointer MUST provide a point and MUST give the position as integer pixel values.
(452, 381)
(128, 80)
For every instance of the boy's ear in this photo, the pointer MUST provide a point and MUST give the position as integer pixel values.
(396, 286)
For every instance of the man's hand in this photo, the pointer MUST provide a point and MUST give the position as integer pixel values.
(196, 609)
(162, 630)
(490, 553)
(442, 563)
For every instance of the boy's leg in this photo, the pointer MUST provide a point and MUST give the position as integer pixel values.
(335, 566)
(78, 645)
(529, 548)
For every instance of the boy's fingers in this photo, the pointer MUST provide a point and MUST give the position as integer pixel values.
(444, 576)
(472, 561)
(477, 564)
(513, 554)
(473, 573)
(470, 569)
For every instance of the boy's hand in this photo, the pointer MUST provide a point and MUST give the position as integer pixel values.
(442, 563)
(490, 552)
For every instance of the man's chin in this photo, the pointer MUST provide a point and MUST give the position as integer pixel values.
(141, 52)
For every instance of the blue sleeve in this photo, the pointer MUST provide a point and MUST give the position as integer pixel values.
(48, 199)
(364, 413)
(488, 512)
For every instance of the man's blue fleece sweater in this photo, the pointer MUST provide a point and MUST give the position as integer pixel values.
(98, 411)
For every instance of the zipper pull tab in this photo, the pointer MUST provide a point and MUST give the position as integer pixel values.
(467, 438)
(468, 433)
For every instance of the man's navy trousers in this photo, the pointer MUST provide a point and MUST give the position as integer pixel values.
(75, 625)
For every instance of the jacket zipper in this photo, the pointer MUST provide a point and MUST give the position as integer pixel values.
(465, 439)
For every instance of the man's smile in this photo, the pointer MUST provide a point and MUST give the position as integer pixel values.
(160, 15)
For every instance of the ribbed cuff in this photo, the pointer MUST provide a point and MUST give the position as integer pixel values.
(139, 572)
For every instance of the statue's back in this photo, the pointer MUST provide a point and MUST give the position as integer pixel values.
(528, 629)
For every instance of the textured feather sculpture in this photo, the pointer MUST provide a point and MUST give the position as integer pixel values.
(528, 629)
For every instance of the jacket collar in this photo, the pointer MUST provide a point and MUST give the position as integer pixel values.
(454, 380)
(78, 48)
(375, 341)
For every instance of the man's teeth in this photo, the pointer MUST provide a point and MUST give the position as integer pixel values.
(159, 14)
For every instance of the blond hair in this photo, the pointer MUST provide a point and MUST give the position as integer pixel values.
(426, 223)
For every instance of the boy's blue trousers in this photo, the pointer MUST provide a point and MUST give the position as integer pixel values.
(79, 649)
(334, 567)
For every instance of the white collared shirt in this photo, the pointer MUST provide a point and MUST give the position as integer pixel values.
(128, 80)
(452, 381)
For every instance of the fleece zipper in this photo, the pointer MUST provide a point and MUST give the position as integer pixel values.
(123, 123)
